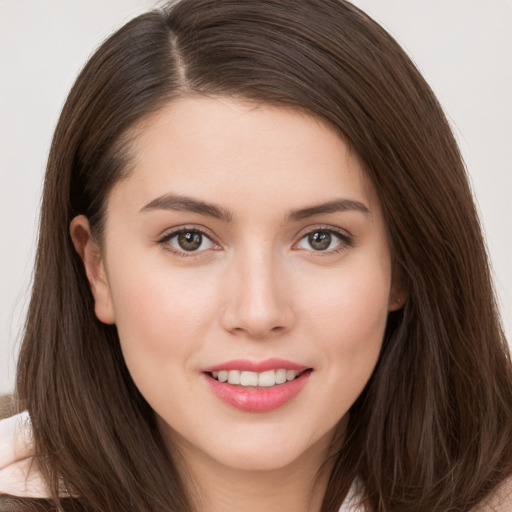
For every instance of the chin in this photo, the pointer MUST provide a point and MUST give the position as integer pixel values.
(265, 459)
(259, 452)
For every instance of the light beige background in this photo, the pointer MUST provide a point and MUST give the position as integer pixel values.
(463, 48)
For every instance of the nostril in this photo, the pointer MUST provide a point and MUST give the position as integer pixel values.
(255, 332)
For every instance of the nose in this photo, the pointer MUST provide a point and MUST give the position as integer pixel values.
(258, 304)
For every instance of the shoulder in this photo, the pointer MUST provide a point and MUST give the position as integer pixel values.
(18, 470)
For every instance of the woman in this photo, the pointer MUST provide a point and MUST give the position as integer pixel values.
(260, 279)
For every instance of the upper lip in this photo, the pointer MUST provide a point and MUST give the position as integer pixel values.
(256, 366)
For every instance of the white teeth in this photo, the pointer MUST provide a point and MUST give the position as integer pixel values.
(280, 376)
(267, 379)
(234, 377)
(264, 379)
(291, 374)
(249, 378)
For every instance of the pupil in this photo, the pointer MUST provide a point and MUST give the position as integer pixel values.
(320, 240)
(190, 241)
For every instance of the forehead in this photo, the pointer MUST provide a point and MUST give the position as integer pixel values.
(241, 150)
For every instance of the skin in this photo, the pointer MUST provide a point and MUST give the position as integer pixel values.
(255, 289)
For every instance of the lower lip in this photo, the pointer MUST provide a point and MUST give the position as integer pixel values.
(258, 399)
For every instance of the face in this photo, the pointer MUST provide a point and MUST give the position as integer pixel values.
(246, 265)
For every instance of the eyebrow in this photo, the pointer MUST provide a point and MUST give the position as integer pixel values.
(338, 205)
(187, 204)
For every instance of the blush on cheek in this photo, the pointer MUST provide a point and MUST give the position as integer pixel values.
(160, 318)
(356, 306)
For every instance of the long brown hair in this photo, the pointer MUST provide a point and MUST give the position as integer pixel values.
(433, 428)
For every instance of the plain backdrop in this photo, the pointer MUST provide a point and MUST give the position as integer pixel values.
(463, 48)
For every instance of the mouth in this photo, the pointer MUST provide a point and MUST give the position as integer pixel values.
(266, 379)
(249, 390)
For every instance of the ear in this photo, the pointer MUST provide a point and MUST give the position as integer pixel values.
(94, 265)
(399, 292)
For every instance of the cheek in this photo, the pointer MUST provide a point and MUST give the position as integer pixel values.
(348, 333)
(347, 323)
(159, 311)
(161, 326)
(351, 305)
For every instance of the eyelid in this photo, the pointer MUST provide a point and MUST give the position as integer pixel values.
(172, 232)
(345, 237)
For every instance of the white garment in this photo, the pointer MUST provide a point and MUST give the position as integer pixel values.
(349, 504)
(17, 474)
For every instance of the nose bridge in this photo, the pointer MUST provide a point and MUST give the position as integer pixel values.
(257, 302)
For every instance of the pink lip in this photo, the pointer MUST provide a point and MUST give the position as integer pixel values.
(256, 366)
(258, 399)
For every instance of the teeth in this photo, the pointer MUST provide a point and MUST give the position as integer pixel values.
(291, 374)
(267, 378)
(249, 379)
(263, 379)
(280, 376)
(234, 377)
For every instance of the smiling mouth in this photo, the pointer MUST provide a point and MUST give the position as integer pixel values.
(257, 392)
(264, 379)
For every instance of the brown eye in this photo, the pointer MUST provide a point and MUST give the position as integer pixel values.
(320, 240)
(324, 240)
(190, 240)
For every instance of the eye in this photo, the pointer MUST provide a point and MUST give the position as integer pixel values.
(324, 240)
(188, 241)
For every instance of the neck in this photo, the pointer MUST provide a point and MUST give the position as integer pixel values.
(299, 486)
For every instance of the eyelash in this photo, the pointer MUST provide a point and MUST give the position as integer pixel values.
(346, 241)
(164, 241)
